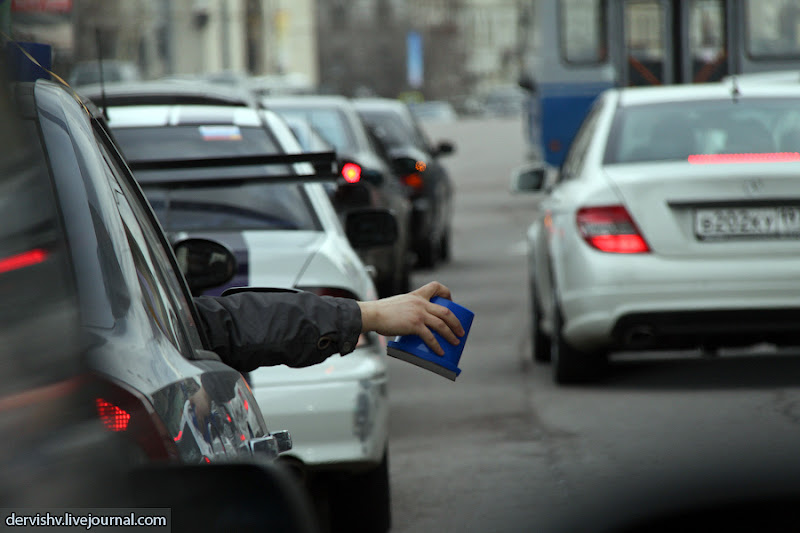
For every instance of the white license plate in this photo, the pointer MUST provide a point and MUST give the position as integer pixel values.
(747, 222)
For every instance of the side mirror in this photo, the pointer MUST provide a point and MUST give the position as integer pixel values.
(528, 178)
(233, 496)
(204, 263)
(404, 165)
(445, 148)
(527, 83)
(368, 228)
(372, 176)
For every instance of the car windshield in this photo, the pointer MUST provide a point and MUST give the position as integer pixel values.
(278, 206)
(676, 131)
(330, 123)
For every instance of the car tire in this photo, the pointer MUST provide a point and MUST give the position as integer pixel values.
(362, 501)
(444, 246)
(571, 366)
(540, 341)
(428, 253)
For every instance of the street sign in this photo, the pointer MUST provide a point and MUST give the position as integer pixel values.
(414, 60)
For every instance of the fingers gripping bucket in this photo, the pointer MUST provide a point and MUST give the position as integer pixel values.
(412, 349)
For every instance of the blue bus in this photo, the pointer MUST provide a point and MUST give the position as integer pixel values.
(575, 49)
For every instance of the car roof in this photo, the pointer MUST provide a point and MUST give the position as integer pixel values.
(379, 104)
(632, 96)
(303, 100)
(166, 92)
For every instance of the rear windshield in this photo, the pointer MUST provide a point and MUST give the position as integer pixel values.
(146, 144)
(330, 123)
(254, 206)
(238, 207)
(394, 130)
(675, 131)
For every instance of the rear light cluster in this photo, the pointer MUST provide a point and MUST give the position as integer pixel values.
(414, 180)
(611, 229)
(127, 412)
(363, 340)
(351, 172)
(22, 260)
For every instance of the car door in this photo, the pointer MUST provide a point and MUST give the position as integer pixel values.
(206, 406)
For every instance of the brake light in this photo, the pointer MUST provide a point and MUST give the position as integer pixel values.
(351, 172)
(611, 229)
(125, 411)
(414, 181)
(710, 159)
(25, 259)
(114, 418)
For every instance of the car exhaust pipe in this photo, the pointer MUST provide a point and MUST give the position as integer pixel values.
(640, 337)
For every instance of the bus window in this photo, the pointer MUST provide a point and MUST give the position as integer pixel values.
(583, 31)
(773, 28)
(707, 52)
(645, 42)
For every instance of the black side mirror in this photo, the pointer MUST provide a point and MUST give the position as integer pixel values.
(204, 263)
(528, 178)
(404, 165)
(374, 177)
(368, 228)
(527, 82)
(445, 148)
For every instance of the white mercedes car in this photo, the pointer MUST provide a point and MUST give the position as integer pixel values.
(284, 235)
(673, 224)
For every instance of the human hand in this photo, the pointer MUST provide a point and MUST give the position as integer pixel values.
(413, 314)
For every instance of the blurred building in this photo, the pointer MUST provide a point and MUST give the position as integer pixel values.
(184, 37)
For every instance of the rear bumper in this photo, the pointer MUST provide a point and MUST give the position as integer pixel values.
(336, 422)
(647, 302)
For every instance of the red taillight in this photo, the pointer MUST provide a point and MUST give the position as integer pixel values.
(711, 159)
(126, 411)
(414, 181)
(611, 229)
(25, 259)
(351, 172)
(114, 418)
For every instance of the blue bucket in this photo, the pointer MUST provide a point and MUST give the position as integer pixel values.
(412, 349)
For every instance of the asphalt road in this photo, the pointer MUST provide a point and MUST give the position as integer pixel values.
(503, 449)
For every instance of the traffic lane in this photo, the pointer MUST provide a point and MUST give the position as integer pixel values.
(503, 449)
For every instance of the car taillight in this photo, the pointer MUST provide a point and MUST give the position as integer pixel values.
(127, 412)
(351, 172)
(22, 260)
(611, 229)
(415, 181)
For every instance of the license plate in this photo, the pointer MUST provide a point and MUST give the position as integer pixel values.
(747, 222)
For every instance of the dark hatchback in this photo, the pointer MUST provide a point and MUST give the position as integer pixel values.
(104, 366)
(368, 178)
(427, 181)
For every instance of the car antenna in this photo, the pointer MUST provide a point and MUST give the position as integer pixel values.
(103, 104)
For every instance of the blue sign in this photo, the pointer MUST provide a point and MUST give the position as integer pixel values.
(414, 60)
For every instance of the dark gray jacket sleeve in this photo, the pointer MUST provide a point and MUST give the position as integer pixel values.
(252, 329)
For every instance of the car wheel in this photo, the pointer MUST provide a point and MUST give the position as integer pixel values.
(428, 253)
(361, 501)
(444, 246)
(571, 365)
(540, 341)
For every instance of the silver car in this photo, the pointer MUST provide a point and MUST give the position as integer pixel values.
(674, 223)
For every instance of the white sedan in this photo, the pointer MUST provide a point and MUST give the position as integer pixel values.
(674, 223)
